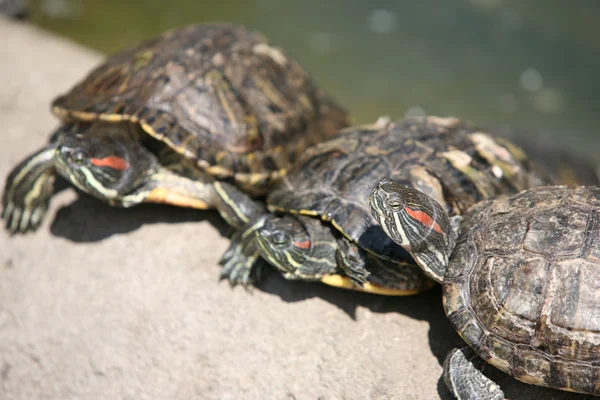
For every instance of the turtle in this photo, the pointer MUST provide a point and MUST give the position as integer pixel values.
(522, 285)
(317, 225)
(570, 166)
(158, 122)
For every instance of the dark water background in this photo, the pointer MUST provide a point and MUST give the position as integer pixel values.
(530, 63)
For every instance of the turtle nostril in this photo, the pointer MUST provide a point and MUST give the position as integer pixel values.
(67, 151)
(264, 232)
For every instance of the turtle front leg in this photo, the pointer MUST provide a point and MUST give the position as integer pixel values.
(28, 190)
(463, 376)
(241, 262)
(353, 261)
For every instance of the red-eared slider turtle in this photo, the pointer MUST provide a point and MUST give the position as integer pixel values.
(570, 166)
(522, 287)
(319, 226)
(157, 122)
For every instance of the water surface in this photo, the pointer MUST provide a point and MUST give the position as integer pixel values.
(531, 63)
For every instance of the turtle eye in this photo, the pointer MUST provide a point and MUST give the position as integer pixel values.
(79, 157)
(395, 204)
(280, 238)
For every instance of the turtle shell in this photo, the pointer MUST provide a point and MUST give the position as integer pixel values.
(453, 162)
(570, 166)
(218, 94)
(523, 286)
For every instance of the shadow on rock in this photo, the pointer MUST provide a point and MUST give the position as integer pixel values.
(89, 220)
(425, 307)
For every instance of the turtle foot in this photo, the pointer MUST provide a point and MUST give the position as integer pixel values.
(241, 263)
(22, 220)
(463, 376)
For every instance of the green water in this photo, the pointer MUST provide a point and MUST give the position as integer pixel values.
(531, 63)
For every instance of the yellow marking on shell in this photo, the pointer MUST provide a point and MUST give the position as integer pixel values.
(252, 125)
(530, 379)
(149, 130)
(382, 122)
(81, 115)
(187, 140)
(271, 93)
(123, 86)
(278, 149)
(448, 122)
(170, 143)
(484, 142)
(345, 283)
(462, 162)
(378, 151)
(219, 171)
(335, 224)
(252, 179)
(142, 59)
(274, 53)
(515, 150)
(221, 88)
(113, 117)
(302, 212)
(428, 184)
(220, 155)
(496, 155)
(167, 196)
(429, 151)
(306, 103)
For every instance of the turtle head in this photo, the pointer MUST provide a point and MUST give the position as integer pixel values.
(106, 166)
(289, 244)
(416, 222)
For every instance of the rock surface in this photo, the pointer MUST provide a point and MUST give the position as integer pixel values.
(106, 303)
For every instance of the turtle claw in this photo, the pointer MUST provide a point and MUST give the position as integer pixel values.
(237, 274)
(238, 262)
(237, 270)
(18, 220)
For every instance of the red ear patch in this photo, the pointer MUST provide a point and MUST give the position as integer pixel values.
(423, 218)
(302, 245)
(113, 162)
